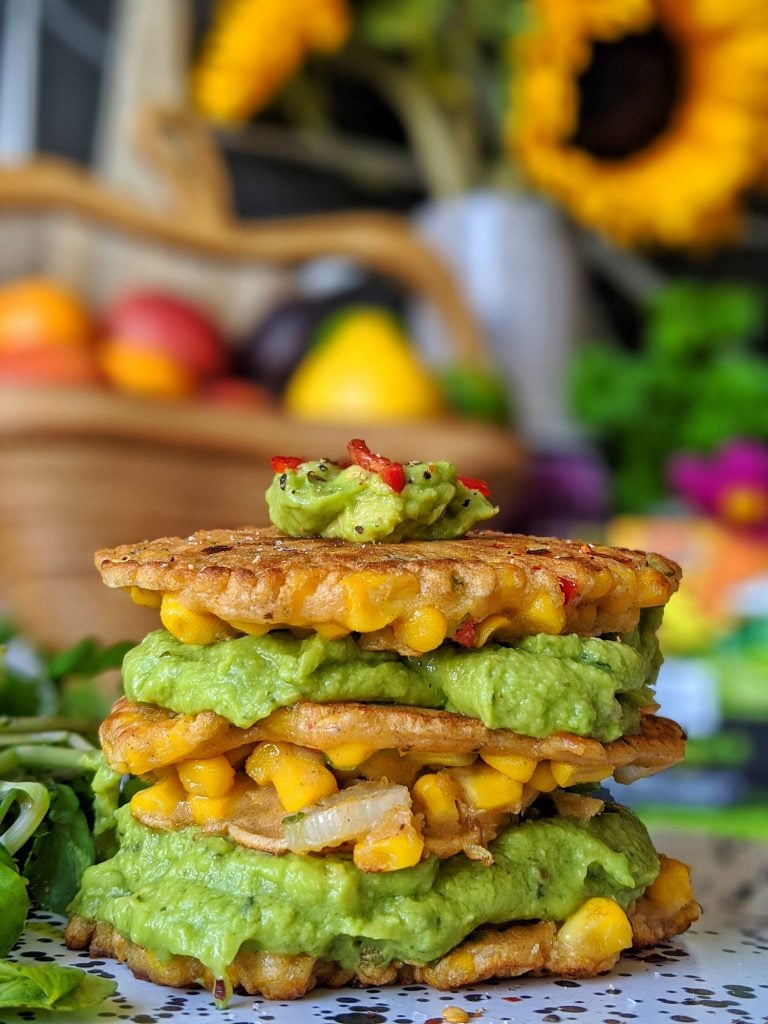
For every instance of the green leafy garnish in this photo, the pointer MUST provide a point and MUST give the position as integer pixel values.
(61, 851)
(14, 902)
(697, 379)
(50, 987)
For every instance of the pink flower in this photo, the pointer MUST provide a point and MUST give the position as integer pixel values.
(731, 485)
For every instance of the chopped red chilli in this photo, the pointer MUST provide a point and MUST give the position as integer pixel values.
(568, 587)
(280, 463)
(473, 484)
(392, 473)
(465, 634)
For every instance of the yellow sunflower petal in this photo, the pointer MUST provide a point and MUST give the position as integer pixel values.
(685, 186)
(255, 46)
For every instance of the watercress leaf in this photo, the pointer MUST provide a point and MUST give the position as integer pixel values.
(88, 658)
(61, 851)
(49, 986)
(14, 902)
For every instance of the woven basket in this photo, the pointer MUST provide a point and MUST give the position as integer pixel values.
(87, 469)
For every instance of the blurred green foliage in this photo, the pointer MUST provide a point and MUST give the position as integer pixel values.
(698, 378)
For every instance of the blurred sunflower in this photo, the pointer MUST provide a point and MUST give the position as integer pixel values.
(647, 119)
(255, 46)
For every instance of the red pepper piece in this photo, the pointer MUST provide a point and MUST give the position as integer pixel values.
(473, 484)
(392, 473)
(280, 463)
(568, 587)
(465, 634)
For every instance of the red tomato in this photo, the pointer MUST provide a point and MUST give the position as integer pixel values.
(392, 473)
(36, 313)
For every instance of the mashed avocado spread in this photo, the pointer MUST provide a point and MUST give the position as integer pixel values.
(323, 499)
(187, 893)
(540, 685)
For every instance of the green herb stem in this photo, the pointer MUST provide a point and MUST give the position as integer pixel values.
(33, 800)
(40, 757)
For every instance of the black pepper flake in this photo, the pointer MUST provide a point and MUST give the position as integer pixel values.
(537, 551)
(214, 549)
(358, 529)
(465, 503)
(322, 467)
(283, 480)
(427, 475)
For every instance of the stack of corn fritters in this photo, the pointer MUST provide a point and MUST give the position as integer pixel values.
(373, 763)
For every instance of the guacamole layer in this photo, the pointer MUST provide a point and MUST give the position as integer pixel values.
(202, 896)
(541, 685)
(323, 499)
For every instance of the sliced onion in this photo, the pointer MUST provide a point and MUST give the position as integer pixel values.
(346, 815)
(631, 772)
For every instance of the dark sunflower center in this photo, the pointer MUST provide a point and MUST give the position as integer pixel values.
(628, 95)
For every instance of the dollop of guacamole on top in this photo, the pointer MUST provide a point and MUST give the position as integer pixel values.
(323, 499)
(540, 685)
(196, 895)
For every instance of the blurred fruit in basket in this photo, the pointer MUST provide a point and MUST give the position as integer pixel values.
(55, 366)
(144, 371)
(276, 344)
(239, 393)
(156, 343)
(36, 313)
(362, 367)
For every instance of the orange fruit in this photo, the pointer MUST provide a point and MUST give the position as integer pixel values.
(36, 312)
(142, 371)
(48, 366)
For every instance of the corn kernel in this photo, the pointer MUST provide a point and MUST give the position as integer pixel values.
(297, 773)
(210, 776)
(374, 599)
(303, 584)
(599, 929)
(189, 626)
(573, 775)
(347, 756)
(490, 627)
(652, 588)
(544, 614)
(402, 849)
(672, 886)
(424, 629)
(542, 779)
(146, 598)
(512, 765)
(388, 764)
(206, 810)
(250, 628)
(162, 798)
(437, 759)
(485, 789)
(437, 796)
(331, 630)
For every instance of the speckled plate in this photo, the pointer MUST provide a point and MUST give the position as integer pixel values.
(717, 973)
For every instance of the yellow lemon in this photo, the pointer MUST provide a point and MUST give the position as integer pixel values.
(363, 369)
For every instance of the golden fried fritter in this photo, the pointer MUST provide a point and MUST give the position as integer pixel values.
(485, 584)
(491, 953)
(140, 738)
